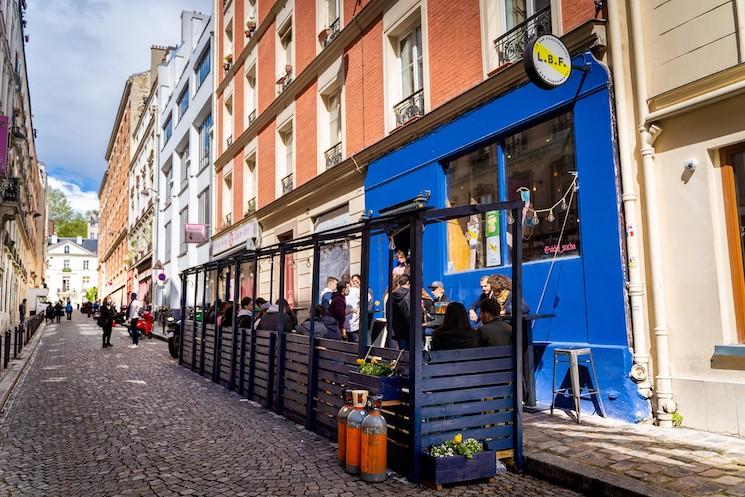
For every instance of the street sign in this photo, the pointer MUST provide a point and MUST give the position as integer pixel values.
(548, 62)
(195, 233)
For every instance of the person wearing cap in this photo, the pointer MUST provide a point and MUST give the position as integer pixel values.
(438, 291)
(133, 315)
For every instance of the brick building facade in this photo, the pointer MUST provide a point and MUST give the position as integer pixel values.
(308, 92)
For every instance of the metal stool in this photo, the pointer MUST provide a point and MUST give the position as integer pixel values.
(573, 355)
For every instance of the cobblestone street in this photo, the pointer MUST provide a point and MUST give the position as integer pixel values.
(87, 421)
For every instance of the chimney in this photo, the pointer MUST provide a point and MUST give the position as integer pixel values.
(79, 240)
(54, 239)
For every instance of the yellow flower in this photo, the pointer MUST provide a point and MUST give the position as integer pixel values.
(374, 360)
(360, 362)
(457, 439)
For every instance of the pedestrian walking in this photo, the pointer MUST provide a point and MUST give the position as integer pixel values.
(49, 313)
(59, 311)
(22, 311)
(68, 310)
(106, 321)
(133, 315)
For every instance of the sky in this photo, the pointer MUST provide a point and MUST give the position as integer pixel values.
(79, 55)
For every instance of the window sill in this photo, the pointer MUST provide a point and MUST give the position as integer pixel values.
(728, 357)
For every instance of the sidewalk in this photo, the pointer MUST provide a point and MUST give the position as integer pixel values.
(637, 459)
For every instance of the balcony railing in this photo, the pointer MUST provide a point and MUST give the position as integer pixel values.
(10, 191)
(287, 184)
(251, 206)
(511, 45)
(331, 32)
(229, 141)
(333, 156)
(252, 117)
(409, 108)
(228, 219)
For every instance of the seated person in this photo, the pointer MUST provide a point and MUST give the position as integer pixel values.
(245, 316)
(502, 288)
(494, 331)
(270, 320)
(455, 331)
(320, 329)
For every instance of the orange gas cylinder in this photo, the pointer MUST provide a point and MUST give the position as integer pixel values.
(373, 461)
(341, 424)
(354, 431)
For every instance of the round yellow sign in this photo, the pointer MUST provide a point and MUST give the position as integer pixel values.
(548, 62)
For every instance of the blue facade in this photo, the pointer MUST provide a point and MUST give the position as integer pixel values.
(585, 292)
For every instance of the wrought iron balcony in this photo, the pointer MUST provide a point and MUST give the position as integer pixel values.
(230, 140)
(251, 206)
(331, 32)
(252, 117)
(333, 156)
(228, 219)
(409, 108)
(511, 45)
(10, 190)
(284, 82)
(287, 184)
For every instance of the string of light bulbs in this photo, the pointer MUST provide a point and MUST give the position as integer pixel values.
(560, 204)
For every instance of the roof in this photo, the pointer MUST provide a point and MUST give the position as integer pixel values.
(89, 244)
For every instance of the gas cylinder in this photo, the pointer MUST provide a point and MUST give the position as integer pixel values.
(341, 423)
(373, 462)
(354, 431)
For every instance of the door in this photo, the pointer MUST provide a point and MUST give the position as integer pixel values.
(733, 182)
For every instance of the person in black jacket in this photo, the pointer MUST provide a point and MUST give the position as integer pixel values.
(319, 329)
(106, 321)
(401, 312)
(455, 331)
(494, 331)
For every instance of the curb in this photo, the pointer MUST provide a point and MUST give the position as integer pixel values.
(588, 479)
(17, 366)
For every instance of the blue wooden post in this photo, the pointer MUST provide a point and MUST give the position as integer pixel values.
(252, 354)
(364, 331)
(270, 376)
(182, 325)
(281, 334)
(416, 338)
(517, 323)
(312, 356)
(234, 341)
(204, 322)
(194, 323)
(217, 340)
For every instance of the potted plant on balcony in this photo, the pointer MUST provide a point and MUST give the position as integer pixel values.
(323, 35)
(227, 62)
(458, 460)
(377, 376)
(250, 26)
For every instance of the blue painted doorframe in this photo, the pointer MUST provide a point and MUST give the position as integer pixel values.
(586, 292)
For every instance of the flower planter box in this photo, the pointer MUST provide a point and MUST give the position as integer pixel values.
(387, 386)
(439, 471)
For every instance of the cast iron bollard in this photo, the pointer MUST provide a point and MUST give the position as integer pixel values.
(7, 349)
(15, 342)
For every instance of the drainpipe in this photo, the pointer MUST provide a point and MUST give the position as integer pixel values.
(636, 286)
(647, 135)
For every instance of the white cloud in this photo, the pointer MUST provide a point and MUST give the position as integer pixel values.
(79, 56)
(80, 200)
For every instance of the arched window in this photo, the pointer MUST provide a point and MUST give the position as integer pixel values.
(67, 249)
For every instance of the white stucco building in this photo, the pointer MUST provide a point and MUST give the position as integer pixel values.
(72, 268)
(185, 143)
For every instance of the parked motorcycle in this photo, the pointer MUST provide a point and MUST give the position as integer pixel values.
(173, 330)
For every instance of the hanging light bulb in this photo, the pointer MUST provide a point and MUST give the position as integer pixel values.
(510, 219)
(391, 244)
(550, 217)
(535, 220)
(563, 205)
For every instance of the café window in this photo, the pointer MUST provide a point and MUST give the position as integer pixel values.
(536, 163)
(471, 179)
